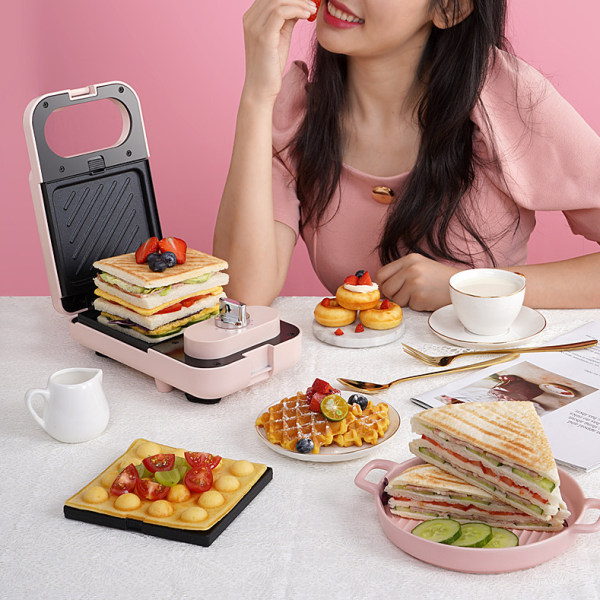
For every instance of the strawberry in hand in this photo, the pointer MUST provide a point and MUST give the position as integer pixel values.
(314, 15)
(174, 245)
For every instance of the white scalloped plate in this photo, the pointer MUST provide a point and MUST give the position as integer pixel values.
(334, 453)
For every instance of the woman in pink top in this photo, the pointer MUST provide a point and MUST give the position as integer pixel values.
(416, 147)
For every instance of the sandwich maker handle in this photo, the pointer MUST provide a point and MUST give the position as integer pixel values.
(361, 479)
(587, 527)
(131, 146)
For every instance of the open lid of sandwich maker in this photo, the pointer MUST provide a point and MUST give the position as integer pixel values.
(92, 205)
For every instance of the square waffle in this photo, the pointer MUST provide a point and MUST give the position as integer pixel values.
(291, 419)
(369, 425)
(196, 518)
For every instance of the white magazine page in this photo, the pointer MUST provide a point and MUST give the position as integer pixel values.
(563, 386)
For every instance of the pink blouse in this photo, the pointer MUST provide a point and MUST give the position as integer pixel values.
(550, 159)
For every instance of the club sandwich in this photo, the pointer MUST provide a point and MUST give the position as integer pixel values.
(499, 447)
(155, 306)
(426, 492)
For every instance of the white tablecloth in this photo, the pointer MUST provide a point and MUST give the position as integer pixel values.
(311, 533)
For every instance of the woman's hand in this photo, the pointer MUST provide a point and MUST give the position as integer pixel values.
(268, 26)
(417, 282)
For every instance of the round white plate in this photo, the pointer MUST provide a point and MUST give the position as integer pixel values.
(445, 324)
(334, 453)
(365, 339)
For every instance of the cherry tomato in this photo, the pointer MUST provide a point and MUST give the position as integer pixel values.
(150, 490)
(202, 459)
(125, 481)
(159, 462)
(199, 480)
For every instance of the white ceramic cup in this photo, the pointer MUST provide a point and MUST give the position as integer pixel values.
(487, 301)
(74, 408)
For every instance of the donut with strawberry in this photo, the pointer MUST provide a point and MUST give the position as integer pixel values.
(330, 314)
(358, 292)
(386, 315)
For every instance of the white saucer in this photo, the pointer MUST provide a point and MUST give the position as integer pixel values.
(444, 323)
(365, 339)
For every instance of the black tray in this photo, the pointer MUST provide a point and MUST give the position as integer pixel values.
(199, 538)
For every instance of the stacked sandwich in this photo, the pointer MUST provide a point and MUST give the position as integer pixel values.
(154, 306)
(488, 462)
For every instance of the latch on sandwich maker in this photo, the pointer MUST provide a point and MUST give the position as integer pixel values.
(232, 314)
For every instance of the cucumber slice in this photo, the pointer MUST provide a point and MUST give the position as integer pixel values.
(502, 538)
(482, 481)
(444, 531)
(470, 499)
(429, 453)
(473, 535)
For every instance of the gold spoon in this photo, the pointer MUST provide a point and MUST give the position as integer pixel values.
(367, 387)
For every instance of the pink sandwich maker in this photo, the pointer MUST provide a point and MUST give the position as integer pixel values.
(100, 204)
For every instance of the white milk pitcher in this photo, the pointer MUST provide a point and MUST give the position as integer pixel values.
(75, 408)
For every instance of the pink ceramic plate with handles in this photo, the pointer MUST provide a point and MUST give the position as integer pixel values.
(535, 547)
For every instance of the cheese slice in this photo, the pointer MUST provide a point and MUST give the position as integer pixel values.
(216, 291)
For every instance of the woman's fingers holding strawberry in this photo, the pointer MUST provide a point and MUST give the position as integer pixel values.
(272, 12)
(268, 26)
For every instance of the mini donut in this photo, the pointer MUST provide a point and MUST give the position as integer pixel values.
(382, 318)
(357, 300)
(331, 314)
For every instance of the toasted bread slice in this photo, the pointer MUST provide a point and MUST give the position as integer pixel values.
(124, 266)
(155, 321)
(132, 305)
(164, 297)
(509, 430)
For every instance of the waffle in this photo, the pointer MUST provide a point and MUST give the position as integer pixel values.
(369, 425)
(291, 419)
(183, 510)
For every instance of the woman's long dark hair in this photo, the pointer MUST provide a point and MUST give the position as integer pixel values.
(451, 72)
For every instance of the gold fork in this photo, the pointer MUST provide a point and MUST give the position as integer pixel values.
(366, 387)
(443, 361)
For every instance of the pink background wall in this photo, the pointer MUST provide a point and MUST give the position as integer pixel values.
(185, 60)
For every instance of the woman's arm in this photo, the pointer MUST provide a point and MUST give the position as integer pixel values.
(422, 284)
(257, 248)
(571, 283)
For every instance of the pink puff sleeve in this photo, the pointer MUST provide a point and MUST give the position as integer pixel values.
(550, 156)
(287, 115)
